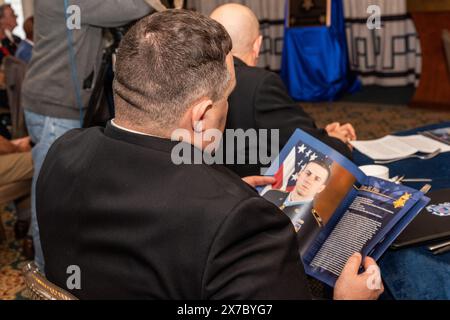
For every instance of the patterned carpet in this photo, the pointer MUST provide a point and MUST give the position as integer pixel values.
(374, 121)
(12, 286)
(371, 121)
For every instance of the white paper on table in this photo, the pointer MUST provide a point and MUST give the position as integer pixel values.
(425, 144)
(386, 148)
(393, 147)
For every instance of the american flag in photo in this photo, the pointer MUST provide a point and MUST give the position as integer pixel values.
(296, 161)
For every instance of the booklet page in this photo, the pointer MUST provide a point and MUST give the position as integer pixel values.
(386, 148)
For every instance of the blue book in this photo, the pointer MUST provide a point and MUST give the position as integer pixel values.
(335, 209)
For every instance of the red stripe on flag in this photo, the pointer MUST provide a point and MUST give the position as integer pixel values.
(279, 176)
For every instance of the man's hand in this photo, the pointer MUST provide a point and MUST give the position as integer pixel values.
(259, 181)
(178, 4)
(15, 146)
(345, 133)
(23, 144)
(354, 286)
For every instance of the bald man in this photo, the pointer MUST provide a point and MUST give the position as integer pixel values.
(260, 100)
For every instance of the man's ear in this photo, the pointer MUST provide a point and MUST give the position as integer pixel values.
(257, 46)
(199, 113)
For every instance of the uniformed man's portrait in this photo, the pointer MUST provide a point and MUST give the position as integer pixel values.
(298, 204)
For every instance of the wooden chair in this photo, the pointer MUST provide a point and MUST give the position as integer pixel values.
(42, 289)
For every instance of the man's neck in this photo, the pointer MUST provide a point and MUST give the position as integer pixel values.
(141, 131)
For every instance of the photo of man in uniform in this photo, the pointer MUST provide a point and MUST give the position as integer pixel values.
(298, 204)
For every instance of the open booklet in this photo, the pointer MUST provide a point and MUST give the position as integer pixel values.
(394, 147)
(335, 209)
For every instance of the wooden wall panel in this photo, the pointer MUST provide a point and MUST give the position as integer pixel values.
(434, 86)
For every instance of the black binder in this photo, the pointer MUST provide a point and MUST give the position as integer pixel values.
(427, 227)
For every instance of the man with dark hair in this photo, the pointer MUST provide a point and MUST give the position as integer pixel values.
(142, 227)
(25, 48)
(8, 43)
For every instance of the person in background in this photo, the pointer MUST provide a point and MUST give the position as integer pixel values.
(25, 48)
(8, 45)
(16, 171)
(260, 100)
(8, 41)
(54, 99)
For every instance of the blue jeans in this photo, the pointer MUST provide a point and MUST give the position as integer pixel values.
(44, 131)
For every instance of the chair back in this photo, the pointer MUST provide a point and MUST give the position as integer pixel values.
(15, 70)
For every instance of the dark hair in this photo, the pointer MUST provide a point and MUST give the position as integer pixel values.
(166, 62)
(324, 165)
(2, 9)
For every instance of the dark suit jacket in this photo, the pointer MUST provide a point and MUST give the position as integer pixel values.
(140, 227)
(260, 101)
(8, 48)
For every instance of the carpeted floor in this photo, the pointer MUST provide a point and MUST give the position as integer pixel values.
(12, 286)
(370, 120)
(374, 120)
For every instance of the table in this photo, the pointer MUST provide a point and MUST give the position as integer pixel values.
(414, 273)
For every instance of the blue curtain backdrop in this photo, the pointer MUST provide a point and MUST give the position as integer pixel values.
(315, 63)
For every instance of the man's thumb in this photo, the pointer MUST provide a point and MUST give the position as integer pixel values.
(353, 265)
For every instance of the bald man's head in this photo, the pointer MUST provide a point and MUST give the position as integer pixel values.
(243, 27)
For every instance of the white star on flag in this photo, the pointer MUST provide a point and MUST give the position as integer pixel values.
(308, 153)
(294, 177)
(302, 149)
(313, 157)
(303, 167)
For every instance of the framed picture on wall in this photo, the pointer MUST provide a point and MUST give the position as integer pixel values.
(302, 13)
